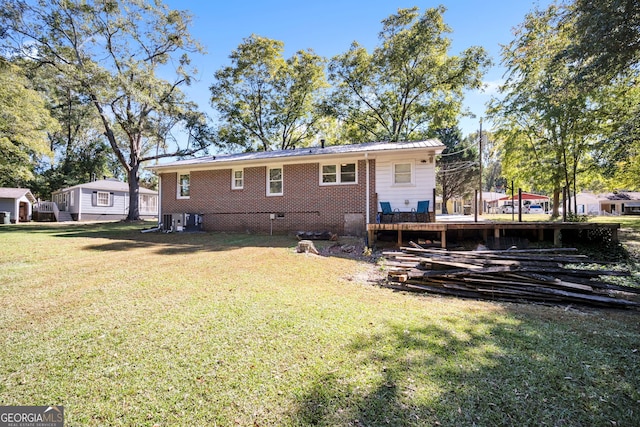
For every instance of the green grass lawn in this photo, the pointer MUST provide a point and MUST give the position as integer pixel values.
(207, 329)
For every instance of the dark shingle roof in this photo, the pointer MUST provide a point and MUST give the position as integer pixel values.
(623, 195)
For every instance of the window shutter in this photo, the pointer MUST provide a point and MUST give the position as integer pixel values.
(110, 199)
(94, 198)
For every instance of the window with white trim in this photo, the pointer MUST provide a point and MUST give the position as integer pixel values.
(402, 173)
(184, 186)
(102, 198)
(237, 179)
(344, 173)
(274, 181)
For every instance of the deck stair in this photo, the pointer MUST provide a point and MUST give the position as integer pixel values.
(64, 216)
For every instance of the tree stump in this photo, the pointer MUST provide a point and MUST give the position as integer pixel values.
(306, 246)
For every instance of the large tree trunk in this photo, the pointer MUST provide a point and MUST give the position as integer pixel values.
(556, 203)
(134, 194)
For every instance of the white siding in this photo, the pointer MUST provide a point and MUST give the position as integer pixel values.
(424, 181)
(73, 196)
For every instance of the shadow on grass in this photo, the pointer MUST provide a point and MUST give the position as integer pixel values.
(478, 370)
(126, 236)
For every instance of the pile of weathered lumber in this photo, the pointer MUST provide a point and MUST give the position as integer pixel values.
(540, 275)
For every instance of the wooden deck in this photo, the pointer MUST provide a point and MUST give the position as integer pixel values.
(487, 228)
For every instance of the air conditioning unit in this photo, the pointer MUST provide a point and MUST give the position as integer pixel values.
(176, 222)
(173, 222)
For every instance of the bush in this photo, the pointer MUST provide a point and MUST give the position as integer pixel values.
(574, 217)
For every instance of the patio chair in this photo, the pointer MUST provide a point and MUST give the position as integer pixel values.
(387, 211)
(422, 210)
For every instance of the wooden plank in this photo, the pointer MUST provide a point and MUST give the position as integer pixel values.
(402, 264)
(443, 263)
(602, 285)
(510, 282)
(552, 281)
(496, 262)
(465, 272)
(497, 251)
(575, 272)
(513, 255)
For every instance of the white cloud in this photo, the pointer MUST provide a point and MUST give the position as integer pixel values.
(491, 87)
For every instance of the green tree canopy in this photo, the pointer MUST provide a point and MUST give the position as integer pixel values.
(80, 149)
(114, 53)
(25, 123)
(606, 38)
(408, 84)
(605, 50)
(547, 126)
(266, 102)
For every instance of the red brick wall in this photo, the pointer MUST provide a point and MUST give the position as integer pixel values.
(305, 205)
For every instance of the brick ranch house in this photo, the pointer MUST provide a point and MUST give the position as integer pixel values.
(327, 188)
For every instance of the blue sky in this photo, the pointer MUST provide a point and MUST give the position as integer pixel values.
(330, 26)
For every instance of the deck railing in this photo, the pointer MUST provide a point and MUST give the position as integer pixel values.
(47, 207)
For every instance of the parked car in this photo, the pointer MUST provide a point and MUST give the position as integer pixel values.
(508, 208)
(505, 209)
(536, 209)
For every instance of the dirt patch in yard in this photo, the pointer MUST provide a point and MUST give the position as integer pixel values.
(369, 270)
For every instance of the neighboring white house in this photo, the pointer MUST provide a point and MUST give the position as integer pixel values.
(616, 203)
(102, 200)
(619, 202)
(18, 202)
(588, 204)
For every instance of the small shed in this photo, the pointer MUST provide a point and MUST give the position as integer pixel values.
(16, 205)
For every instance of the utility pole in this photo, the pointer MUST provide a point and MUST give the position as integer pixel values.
(480, 207)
